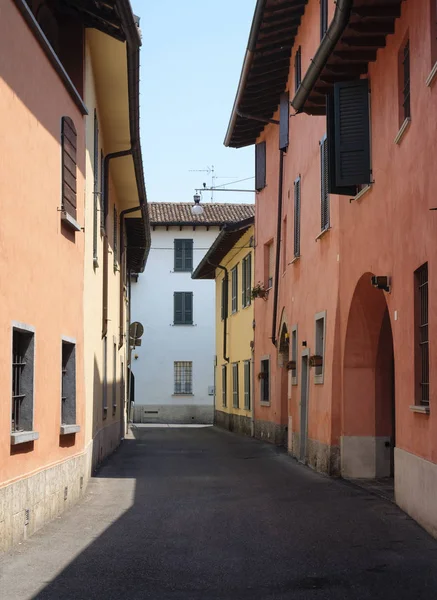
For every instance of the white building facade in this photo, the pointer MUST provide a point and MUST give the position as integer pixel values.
(174, 366)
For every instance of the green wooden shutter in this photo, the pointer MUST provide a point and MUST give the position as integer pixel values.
(284, 120)
(297, 217)
(188, 308)
(178, 308)
(178, 255)
(352, 132)
(249, 280)
(234, 289)
(324, 196)
(260, 166)
(187, 255)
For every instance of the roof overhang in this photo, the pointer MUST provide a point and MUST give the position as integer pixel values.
(223, 244)
(265, 69)
(357, 31)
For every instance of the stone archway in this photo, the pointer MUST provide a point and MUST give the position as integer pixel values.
(368, 420)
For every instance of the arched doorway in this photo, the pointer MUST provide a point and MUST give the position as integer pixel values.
(368, 419)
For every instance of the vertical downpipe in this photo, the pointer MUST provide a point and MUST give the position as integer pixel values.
(278, 245)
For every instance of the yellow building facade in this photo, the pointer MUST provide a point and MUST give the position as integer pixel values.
(230, 262)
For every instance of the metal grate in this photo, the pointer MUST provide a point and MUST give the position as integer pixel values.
(406, 80)
(18, 364)
(183, 377)
(422, 287)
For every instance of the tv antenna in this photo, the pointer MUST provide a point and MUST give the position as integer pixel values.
(210, 171)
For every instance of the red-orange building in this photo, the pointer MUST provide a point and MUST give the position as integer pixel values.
(340, 100)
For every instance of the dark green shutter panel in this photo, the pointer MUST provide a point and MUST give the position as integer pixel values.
(352, 132)
(178, 308)
(69, 169)
(333, 188)
(188, 255)
(188, 308)
(324, 196)
(260, 166)
(178, 255)
(297, 217)
(284, 120)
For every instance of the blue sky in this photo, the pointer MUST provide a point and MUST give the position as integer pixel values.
(191, 60)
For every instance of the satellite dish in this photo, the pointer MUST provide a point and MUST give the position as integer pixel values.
(136, 330)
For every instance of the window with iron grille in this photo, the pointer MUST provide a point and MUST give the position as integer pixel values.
(224, 297)
(265, 380)
(421, 335)
(183, 255)
(294, 354)
(323, 17)
(115, 239)
(96, 191)
(297, 68)
(22, 380)
(320, 330)
(324, 195)
(297, 185)
(68, 407)
(114, 379)
(234, 289)
(224, 386)
(183, 308)
(247, 280)
(247, 386)
(235, 386)
(183, 377)
(404, 57)
(105, 378)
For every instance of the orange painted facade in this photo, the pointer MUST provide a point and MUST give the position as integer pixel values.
(363, 419)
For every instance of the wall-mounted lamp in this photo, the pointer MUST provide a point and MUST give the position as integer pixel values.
(381, 282)
(196, 209)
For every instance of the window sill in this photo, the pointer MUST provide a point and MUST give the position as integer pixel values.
(295, 259)
(183, 325)
(431, 77)
(69, 429)
(362, 193)
(181, 394)
(264, 403)
(23, 437)
(294, 381)
(404, 128)
(422, 410)
(70, 221)
(323, 232)
(95, 262)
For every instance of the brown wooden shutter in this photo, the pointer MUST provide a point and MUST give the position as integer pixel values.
(260, 166)
(284, 120)
(69, 177)
(333, 188)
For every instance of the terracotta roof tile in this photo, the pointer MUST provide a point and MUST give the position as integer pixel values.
(179, 213)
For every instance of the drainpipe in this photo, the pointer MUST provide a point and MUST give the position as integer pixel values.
(106, 161)
(225, 316)
(278, 246)
(338, 24)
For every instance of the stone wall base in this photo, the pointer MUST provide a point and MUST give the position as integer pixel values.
(171, 413)
(105, 442)
(237, 423)
(274, 433)
(416, 488)
(319, 456)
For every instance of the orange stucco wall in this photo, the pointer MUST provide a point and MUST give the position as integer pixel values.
(41, 264)
(389, 231)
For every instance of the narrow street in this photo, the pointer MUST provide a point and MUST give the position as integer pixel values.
(199, 513)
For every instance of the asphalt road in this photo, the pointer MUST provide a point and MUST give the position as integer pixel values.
(202, 514)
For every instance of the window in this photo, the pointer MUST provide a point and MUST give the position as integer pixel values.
(433, 21)
(183, 308)
(260, 166)
(69, 148)
(324, 195)
(269, 264)
(247, 280)
(114, 379)
(320, 346)
(348, 133)
(404, 88)
(115, 239)
(183, 377)
(297, 218)
(68, 394)
(235, 389)
(224, 298)
(103, 195)
(265, 380)
(294, 354)
(247, 385)
(421, 335)
(297, 68)
(105, 377)
(234, 293)
(323, 17)
(284, 245)
(183, 255)
(96, 189)
(23, 348)
(284, 120)
(224, 386)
